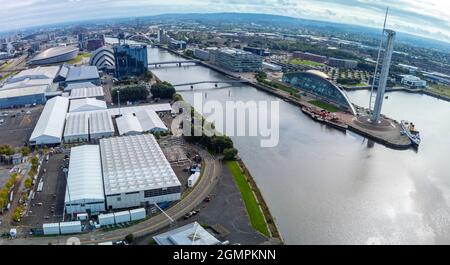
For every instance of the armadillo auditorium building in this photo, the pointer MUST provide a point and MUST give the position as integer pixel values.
(318, 85)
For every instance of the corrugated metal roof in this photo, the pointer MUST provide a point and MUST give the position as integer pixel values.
(77, 125)
(52, 119)
(21, 92)
(87, 92)
(53, 52)
(190, 234)
(100, 122)
(71, 86)
(85, 174)
(135, 163)
(83, 72)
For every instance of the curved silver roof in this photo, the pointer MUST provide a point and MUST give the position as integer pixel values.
(53, 52)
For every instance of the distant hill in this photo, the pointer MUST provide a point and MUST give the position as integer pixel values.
(284, 21)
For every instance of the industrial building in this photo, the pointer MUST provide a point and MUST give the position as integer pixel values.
(128, 125)
(82, 74)
(55, 55)
(84, 193)
(50, 126)
(236, 60)
(150, 121)
(87, 92)
(201, 54)
(77, 128)
(190, 234)
(130, 60)
(71, 86)
(86, 104)
(100, 125)
(103, 58)
(136, 172)
(24, 96)
(318, 84)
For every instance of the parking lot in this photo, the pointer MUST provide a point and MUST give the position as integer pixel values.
(4, 174)
(48, 205)
(18, 124)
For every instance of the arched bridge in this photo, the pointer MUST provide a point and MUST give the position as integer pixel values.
(211, 82)
(156, 64)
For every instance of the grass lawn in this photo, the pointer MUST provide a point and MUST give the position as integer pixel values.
(79, 58)
(305, 62)
(440, 90)
(254, 211)
(324, 105)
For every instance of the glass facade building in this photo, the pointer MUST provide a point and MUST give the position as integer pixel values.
(316, 83)
(130, 60)
(236, 60)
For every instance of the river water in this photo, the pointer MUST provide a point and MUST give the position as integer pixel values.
(328, 187)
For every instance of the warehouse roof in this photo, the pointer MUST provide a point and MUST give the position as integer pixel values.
(190, 234)
(77, 125)
(87, 104)
(149, 120)
(71, 86)
(52, 119)
(40, 72)
(135, 163)
(84, 72)
(85, 174)
(26, 91)
(100, 122)
(87, 92)
(128, 124)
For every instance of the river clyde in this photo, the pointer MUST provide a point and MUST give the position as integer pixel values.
(327, 187)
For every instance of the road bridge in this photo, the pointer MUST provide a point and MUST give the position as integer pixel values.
(215, 82)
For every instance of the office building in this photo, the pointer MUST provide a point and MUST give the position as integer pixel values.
(342, 63)
(177, 45)
(257, 51)
(130, 60)
(236, 60)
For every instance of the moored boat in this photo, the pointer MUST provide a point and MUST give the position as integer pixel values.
(409, 129)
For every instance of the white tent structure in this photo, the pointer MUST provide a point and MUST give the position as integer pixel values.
(150, 121)
(77, 128)
(86, 104)
(50, 126)
(136, 172)
(100, 125)
(87, 92)
(128, 125)
(84, 192)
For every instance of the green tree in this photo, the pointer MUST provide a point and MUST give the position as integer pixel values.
(163, 90)
(25, 150)
(133, 93)
(230, 153)
(28, 183)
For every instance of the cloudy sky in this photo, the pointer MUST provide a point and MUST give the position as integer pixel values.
(430, 18)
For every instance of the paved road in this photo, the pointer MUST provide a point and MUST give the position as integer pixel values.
(195, 197)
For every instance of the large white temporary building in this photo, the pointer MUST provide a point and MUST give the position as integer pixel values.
(150, 121)
(190, 234)
(77, 128)
(87, 92)
(86, 104)
(128, 125)
(136, 172)
(50, 126)
(84, 192)
(100, 125)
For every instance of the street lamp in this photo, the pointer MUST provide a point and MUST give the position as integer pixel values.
(118, 99)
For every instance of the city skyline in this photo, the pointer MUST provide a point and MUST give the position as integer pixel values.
(428, 19)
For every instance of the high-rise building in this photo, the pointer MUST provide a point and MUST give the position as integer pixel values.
(130, 60)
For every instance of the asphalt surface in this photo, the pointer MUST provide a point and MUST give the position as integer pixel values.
(18, 126)
(213, 168)
(225, 210)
